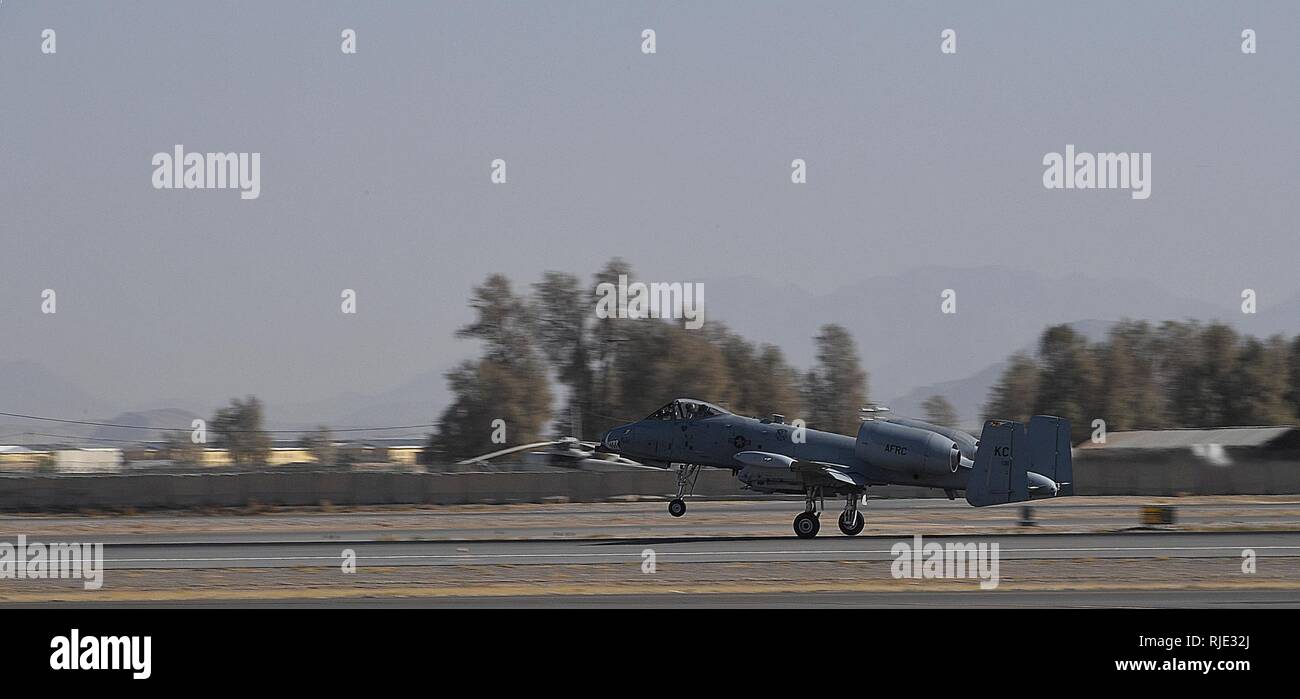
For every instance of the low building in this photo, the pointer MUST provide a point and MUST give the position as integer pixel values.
(95, 460)
(22, 459)
(1224, 460)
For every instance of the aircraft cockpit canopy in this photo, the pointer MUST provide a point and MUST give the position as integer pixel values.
(687, 409)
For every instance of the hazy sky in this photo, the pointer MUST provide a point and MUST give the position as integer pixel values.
(375, 166)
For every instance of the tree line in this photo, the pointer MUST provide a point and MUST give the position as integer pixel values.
(547, 342)
(238, 429)
(616, 370)
(1145, 376)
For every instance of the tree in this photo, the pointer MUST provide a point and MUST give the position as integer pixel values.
(1016, 392)
(1216, 376)
(1177, 367)
(775, 384)
(502, 323)
(763, 382)
(486, 392)
(939, 411)
(561, 315)
(1131, 397)
(610, 340)
(506, 391)
(1293, 373)
(661, 361)
(1069, 379)
(1259, 388)
(238, 430)
(320, 444)
(181, 449)
(835, 389)
(1180, 374)
(1128, 393)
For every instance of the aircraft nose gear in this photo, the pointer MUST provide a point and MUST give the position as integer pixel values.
(687, 474)
(807, 524)
(851, 521)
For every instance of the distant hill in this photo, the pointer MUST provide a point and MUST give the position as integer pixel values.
(905, 341)
(969, 395)
(167, 418)
(417, 401)
(29, 387)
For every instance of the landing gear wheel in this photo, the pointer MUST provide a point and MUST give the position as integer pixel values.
(855, 527)
(677, 507)
(806, 525)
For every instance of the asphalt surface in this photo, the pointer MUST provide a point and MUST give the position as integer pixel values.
(715, 518)
(1125, 599)
(722, 554)
(200, 554)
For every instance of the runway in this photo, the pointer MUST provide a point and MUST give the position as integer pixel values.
(200, 554)
(1266, 599)
(648, 519)
(1086, 553)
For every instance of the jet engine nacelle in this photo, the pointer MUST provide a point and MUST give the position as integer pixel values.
(907, 449)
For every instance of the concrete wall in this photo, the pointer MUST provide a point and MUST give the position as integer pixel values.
(1092, 476)
(41, 493)
(1153, 475)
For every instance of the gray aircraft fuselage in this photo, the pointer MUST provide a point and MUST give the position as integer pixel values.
(714, 438)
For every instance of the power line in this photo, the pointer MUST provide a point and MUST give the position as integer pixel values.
(70, 436)
(611, 417)
(92, 423)
(145, 442)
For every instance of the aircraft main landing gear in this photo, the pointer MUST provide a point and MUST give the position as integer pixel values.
(851, 520)
(687, 474)
(807, 524)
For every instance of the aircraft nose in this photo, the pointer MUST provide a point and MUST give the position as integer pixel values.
(611, 441)
(608, 442)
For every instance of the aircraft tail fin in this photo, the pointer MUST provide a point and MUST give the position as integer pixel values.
(997, 477)
(1013, 464)
(1049, 451)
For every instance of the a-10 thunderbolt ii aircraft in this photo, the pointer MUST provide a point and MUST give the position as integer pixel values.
(1010, 462)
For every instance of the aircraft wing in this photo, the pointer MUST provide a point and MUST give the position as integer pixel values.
(810, 470)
